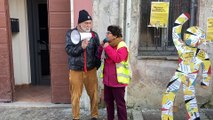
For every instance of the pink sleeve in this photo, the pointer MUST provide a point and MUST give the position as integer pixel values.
(117, 55)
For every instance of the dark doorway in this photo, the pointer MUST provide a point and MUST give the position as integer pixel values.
(39, 42)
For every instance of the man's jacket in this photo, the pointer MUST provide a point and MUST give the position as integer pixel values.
(76, 53)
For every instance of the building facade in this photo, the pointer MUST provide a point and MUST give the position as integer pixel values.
(153, 56)
(33, 42)
(25, 59)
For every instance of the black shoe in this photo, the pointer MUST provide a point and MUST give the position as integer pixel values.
(94, 118)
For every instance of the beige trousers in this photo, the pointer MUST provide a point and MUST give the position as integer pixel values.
(89, 79)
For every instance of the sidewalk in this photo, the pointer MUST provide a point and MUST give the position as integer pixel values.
(147, 114)
(40, 111)
(44, 111)
(50, 111)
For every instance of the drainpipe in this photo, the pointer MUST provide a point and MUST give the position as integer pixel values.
(72, 14)
(193, 7)
(121, 15)
(127, 6)
(128, 22)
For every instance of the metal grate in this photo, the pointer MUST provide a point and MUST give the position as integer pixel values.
(158, 42)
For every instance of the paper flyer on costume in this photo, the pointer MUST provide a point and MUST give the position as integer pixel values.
(210, 30)
(159, 14)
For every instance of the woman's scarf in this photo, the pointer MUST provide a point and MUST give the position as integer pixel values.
(115, 42)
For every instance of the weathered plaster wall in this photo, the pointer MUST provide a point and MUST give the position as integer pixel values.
(105, 12)
(150, 77)
(205, 12)
(20, 43)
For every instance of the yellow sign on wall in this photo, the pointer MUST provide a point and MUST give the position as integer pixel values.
(159, 14)
(210, 29)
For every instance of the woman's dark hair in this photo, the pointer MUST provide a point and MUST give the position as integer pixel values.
(115, 30)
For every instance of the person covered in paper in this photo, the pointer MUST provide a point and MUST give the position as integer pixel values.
(191, 60)
(82, 49)
(115, 72)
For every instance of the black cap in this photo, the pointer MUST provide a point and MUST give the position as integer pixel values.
(83, 16)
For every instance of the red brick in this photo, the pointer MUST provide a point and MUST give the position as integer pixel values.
(59, 75)
(60, 94)
(58, 54)
(59, 5)
(59, 19)
(2, 5)
(5, 67)
(5, 89)
(4, 60)
(4, 80)
(57, 35)
(4, 49)
(3, 36)
(2, 20)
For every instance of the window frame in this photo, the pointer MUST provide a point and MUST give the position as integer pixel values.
(166, 47)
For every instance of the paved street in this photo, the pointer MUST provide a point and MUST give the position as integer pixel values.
(148, 114)
(43, 111)
(49, 111)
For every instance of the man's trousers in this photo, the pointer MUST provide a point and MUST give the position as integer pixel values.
(89, 79)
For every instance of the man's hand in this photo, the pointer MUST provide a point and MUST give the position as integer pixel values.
(84, 44)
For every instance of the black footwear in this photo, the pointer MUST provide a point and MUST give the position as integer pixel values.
(94, 118)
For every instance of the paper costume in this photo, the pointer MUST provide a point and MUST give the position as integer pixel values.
(191, 60)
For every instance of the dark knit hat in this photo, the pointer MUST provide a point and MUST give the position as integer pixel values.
(83, 16)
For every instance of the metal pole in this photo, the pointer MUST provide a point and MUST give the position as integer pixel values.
(72, 14)
(128, 21)
(193, 7)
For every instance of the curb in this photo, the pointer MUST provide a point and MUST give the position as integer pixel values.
(137, 115)
(34, 104)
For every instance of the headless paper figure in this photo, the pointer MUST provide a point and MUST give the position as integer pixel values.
(191, 59)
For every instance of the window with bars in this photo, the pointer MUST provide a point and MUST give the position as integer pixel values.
(158, 41)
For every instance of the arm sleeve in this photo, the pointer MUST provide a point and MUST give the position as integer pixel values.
(97, 52)
(117, 55)
(176, 31)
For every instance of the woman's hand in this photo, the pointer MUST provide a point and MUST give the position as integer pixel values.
(102, 43)
(106, 44)
(105, 40)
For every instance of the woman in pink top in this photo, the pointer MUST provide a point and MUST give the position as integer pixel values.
(113, 91)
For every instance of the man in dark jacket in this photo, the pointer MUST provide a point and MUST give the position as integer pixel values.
(83, 64)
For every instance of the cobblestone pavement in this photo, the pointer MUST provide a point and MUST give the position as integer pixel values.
(42, 114)
(149, 114)
(48, 111)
